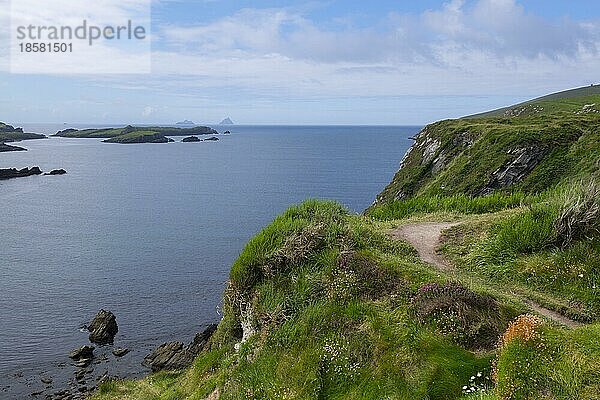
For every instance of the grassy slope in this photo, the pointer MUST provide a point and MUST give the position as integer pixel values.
(569, 100)
(571, 143)
(341, 311)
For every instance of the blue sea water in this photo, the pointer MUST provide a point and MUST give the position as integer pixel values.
(150, 231)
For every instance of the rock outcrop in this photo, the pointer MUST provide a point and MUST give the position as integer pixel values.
(525, 159)
(5, 148)
(174, 356)
(211, 139)
(120, 352)
(82, 353)
(103, 328)
(56, 172)
(190, 139)
(19, 173)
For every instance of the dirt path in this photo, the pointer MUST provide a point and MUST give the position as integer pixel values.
(426, 239)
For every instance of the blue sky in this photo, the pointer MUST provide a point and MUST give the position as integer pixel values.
(326, 62)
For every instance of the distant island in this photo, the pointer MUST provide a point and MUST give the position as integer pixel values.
(131, 134)
(186, 122)
(139, 137)
(226, 121)
(9, 133)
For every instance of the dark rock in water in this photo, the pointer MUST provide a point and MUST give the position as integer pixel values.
(82, 353)
(103, 328)
(191, 139)
(5, 147)
(120, 352)
(175, 355)
(15, 173)
(56, 172)
(46, 380)
(211, 139)
(227, 133)
(80, 375)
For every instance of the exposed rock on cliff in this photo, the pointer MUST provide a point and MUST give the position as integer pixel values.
(514, 171)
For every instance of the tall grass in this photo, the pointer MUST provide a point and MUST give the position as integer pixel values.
(579, 216)
(567, 214)
(460, 204)
(523, 233)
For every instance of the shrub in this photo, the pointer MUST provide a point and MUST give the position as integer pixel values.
(537, 361)
(579, 216)
(470, 319)
(524, 327)
(356, 275)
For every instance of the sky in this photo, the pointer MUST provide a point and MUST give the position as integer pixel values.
(320, 62)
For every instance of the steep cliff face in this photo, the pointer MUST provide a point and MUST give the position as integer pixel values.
(481, 156)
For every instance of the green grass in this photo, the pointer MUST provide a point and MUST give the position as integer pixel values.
(568, 101)
(341, 311)
(459, 204)
(556, 364)
(331, 304)
(521, 249)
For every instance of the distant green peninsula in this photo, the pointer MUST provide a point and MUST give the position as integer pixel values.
(131, 134)
(9, 133)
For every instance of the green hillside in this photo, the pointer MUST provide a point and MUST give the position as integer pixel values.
(573, 101)
(323, 304)
(477, 156)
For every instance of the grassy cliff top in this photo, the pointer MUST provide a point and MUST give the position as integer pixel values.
(529, 152)
(569, 101)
